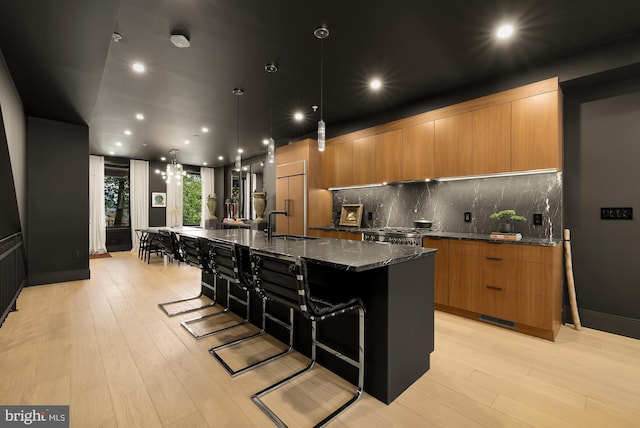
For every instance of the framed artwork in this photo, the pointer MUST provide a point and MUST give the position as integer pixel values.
(351, 215)
(158, 199)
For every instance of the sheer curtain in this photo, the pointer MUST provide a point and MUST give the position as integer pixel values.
(97, 224)
(206, 174)
(174, 204)
(139, 194)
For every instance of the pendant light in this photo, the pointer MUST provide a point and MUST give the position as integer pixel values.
(238, 164)
(271, 145)
(321, 33)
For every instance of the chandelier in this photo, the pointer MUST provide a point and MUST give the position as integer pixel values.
(174, 170)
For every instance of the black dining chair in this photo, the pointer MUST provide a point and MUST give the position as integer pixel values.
(284, 279)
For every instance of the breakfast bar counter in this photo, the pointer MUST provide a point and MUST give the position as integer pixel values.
(395, 283)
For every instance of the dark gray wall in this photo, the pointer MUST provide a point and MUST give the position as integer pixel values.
(9, 216)
(157, 215)
(57, 201)
(602, 129)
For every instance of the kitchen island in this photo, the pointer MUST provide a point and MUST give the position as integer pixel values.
(395, 283)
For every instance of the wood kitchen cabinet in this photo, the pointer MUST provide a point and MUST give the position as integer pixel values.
(417, 152)
(388, 157)
(291, 197)
(337, 165)
(453, 146)
(492, 139)
(441, 280)
(536, 132)
(364, 160)
(303, 161)
(515, 285)
(336, 234)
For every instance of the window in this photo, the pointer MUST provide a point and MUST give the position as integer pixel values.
(191, 199)
(116, 196)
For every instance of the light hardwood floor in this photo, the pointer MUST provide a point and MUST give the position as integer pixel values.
(105, 348)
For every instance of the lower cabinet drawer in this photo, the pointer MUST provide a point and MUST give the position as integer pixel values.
(532, 310)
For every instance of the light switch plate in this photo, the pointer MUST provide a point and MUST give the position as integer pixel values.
(467, 217)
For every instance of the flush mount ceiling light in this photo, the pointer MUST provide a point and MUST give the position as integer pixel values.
(271, 143)
(187, 142)
(505, 31)
(298, 116)
(375, 84)
(140, 116)
(238, 163)
(127, 132)
(118, 143)
(220, 157)
(205, 129)
(138, 67)
(180, 40)
(321, 33)
(174, 169)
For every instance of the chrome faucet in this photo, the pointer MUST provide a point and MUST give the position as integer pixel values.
(269, 226)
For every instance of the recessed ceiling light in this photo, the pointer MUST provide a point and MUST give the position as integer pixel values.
(187, 142)
(265, 142)
(375, 84)
(112, 153)
(127, 132)
(180, 40)
(204, 163)
(298, 116)
(205, 129)
(118, 143)
(163, 158)
(244, 168)
(140, 116)
(138, 67)
(261, 163)
(504, 31)
(240, 151)
(220, 157)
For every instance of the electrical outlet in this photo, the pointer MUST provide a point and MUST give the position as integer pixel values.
(75, 254)
(467, 217)
(537, 219)
(369, 215)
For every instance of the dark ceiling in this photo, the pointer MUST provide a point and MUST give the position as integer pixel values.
(66, 66)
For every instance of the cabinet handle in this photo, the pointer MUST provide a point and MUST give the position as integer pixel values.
(287, 207)
(493, 287)
(494, 258)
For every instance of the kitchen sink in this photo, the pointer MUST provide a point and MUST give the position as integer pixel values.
(293, 237)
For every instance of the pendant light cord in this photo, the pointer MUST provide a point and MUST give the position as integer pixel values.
(321, 76)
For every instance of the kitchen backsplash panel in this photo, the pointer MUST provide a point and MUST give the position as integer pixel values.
(446, 202)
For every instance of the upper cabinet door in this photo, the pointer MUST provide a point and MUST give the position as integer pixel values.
(454, 146)
(337, 161)
(389, 157)
(492, 139)
(417, 152)
(535, 132)
(364, 160)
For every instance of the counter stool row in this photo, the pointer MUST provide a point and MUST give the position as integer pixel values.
(277, 278)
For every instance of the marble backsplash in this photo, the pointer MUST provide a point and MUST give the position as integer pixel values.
(446, 202)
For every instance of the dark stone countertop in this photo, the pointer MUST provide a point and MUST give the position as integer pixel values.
(336, 253)
(340, 228)
(526, 240)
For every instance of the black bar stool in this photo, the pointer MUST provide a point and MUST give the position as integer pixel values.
(284, 279)
(232, 262)
(220, 258)
(192, 255)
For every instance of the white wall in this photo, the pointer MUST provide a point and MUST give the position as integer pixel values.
(16, 131)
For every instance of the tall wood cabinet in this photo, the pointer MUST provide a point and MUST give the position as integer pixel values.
(291, 197)
(290, 161)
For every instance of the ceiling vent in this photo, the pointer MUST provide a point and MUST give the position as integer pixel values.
(180, 40)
